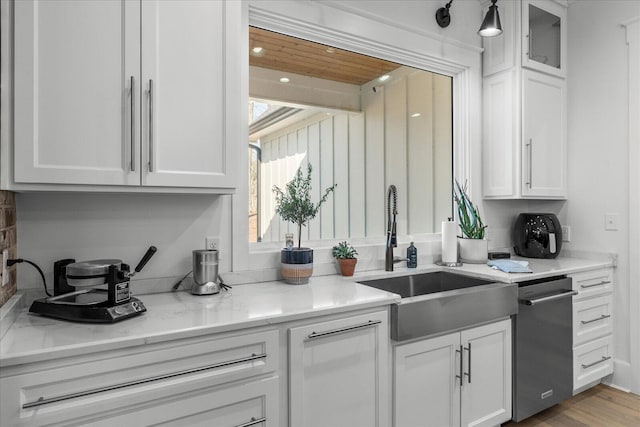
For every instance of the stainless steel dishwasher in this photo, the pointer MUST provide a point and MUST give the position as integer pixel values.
(542, 354)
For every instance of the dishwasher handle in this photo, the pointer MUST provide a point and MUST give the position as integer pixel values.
(534, 301)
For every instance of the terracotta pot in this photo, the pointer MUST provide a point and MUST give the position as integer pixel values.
(296, 265)
(347, 266)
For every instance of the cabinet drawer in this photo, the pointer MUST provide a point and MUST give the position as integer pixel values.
(592, 361)
(253, 403)
(591, 283)
(592, 319)
(90, 384)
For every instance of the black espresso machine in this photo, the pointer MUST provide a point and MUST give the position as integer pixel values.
(79, 292)
(537, 235)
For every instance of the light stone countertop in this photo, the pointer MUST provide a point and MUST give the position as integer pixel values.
(29, 338)
(175, 315)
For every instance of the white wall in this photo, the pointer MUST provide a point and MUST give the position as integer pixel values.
(598, 102)
(121, 226)
(417, 156)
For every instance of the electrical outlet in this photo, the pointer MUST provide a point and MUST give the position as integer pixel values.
(611, 221)
(566, 233)
(5, 270)
(212, 242)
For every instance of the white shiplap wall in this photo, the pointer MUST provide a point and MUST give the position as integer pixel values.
(364, 152)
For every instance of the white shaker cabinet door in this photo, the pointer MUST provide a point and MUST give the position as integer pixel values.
(427, 382)
(486, 393)
(338, 373)
(74, 64)
(544, 135)
(190, 100)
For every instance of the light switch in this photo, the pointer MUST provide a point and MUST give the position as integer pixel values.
(611, 221)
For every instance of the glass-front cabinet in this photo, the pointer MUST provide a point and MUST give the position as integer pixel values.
(544, 36)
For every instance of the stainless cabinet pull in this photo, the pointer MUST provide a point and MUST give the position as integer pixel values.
(43, 401)
(253, 422)
(549, 298)
(314, 335)
(461, 368)
(530, 162)
(604, 282)
(468, 373)
(604, 316)
(150, 125)
(604, 359)
(133, 126)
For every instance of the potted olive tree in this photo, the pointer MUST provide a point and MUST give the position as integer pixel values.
(472, 244)
(346, 255)
(294, 205)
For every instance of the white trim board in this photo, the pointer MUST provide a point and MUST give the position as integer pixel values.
(308, 20)
(633, 40)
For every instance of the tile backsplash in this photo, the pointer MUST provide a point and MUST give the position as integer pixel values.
(8, 241)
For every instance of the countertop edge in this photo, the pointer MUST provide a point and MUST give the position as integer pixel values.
(84, 348)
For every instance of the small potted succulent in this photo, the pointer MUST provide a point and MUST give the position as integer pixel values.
(294, 205)
(472, 244)
(346, 255)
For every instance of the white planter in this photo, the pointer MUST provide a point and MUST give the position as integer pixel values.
(473, 251)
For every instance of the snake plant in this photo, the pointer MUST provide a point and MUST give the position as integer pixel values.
(470, 222)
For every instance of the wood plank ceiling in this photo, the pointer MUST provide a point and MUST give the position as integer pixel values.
(289, 54)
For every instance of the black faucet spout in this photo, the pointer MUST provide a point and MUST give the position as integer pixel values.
(391, 241)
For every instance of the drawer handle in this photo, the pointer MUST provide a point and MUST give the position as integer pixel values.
(314, 335)
(604, 359)
(604, 282)
(549, 298)
(151, 124)
(253, 422)
(133, 127)
(468, 373)
(461, 376)
(42, 401)
(604, 316)
(530, 152)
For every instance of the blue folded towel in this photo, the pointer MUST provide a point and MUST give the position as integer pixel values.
(510, 266)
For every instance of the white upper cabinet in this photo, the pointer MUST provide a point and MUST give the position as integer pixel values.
(130, 93)
(185, 99)
(544, 36)
(74, 64)
(543, 135)
(524, 103)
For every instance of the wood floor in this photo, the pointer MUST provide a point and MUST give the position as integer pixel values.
(600, 406)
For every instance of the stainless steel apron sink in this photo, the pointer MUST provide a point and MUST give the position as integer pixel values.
(441, 301)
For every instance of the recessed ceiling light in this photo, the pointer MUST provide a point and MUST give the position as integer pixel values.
(257, 49)
(330, 50)
(284, 79)
(384, 78)
(416, 115)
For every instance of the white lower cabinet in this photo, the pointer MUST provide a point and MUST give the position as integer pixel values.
(592, 327)
(240, 405)
(338, 372)
(231, 379)
(459, 379)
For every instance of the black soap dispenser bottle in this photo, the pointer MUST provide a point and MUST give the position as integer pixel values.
(412, 256)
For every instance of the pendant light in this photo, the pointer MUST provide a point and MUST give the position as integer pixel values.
(491, 26)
